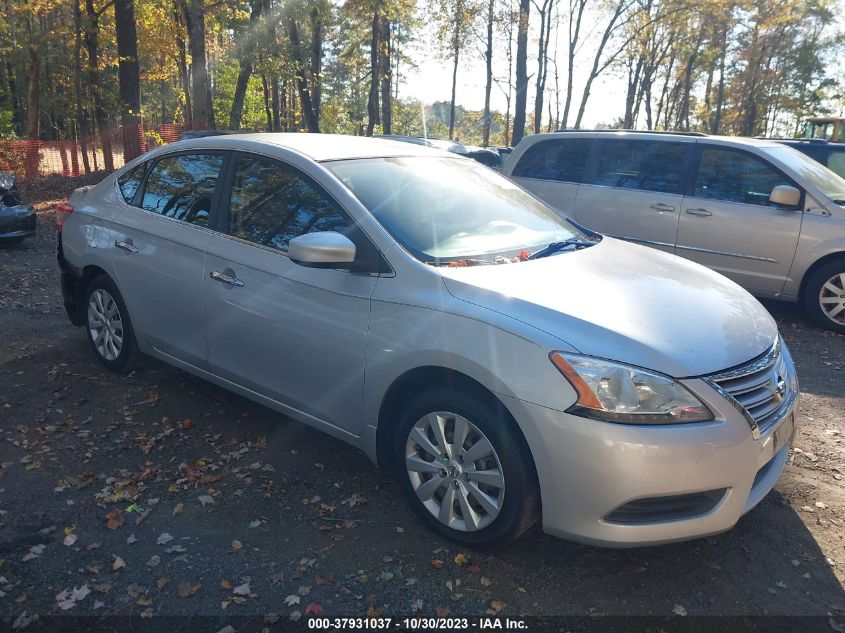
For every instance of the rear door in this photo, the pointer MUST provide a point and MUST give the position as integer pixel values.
(729, 225)
(553, 169)
(291, 333)
(635, 191)
(157, 246)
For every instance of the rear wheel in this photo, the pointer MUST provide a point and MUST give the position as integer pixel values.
(108, 325)
(466, 469)
(824, 296)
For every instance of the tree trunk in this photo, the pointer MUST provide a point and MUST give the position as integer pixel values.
(316, 61)
(81, 119)
(245, 67)
(185, 80)
(542, 62)
(33, 95)
(455, 52)
(521, 72)
(92, 30)
(716, 125)
(268, 112)
(201, 114)
(129, 78)
(577, 7)
(304, 96)
(488, 58)
(372, 100)
(274, 102)
(386, 77)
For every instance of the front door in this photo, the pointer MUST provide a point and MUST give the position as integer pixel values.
(729, 225)
(291, 333)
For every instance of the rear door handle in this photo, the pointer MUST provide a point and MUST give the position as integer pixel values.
(126, 246)
(702, 212)
(229, 280)
(663, 208)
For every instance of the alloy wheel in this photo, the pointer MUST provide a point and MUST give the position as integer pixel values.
(455, 471)
(105, 325)
(832, 298)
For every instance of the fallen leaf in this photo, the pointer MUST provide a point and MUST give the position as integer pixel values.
(131, 539)
(153, 561)
(164, 538)
(186, 589)
(118, 563)
(179, 509)
(114, 519)
(225, 584)
(485, 581)
(187, 424)
(292, 600)
(497, 605)
(437, 563)
(679, 610)
(295, 616)
(236, 545)
(205, 500)
(70, 539)
(313, 609)
(461, 559)
(242, 590)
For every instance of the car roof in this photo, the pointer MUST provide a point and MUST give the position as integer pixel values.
(690, 137)
(318, 147)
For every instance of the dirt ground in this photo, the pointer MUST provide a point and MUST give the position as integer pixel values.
(156, 493)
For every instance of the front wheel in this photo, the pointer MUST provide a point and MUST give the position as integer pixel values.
(824, 296)
(466, 469)
(108, 325)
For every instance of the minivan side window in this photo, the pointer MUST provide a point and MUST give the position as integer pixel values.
(836, 161)
(734, 176)
(130, 182)
(182, 187)
(643, 165)
(559, 159)
(272, 203)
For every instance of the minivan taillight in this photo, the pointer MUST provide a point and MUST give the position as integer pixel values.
(63, 212)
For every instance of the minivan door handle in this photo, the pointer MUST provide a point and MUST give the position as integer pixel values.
(126, 246)
(702, 212)
(229, 280)
(663, 208)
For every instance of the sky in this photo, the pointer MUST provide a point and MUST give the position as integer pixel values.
(431, 81)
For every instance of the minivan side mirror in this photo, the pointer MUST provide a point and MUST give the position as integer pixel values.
(322, 249)
(785, 196)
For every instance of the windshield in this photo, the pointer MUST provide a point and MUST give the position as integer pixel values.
(450, 209)
(829, 183)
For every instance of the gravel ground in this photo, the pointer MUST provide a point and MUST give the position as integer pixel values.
(156, 493)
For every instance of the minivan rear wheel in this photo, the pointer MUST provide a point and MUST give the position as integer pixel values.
(465, 468)
(108, 326)
(824, 296)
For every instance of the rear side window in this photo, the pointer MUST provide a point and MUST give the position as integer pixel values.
(732, 176)
(130, 182)
(836, 162)
(560, 159)
(272, 203)
(182, 187)
(643, 165)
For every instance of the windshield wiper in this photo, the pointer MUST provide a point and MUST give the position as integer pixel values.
(556, 247)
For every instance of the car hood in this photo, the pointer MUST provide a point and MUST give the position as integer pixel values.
(627, 303)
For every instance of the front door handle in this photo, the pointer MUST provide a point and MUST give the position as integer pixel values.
(663, 208)
(126, 246)
(702, 212)
(229, 280)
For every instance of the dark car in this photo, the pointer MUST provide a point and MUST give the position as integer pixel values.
(831, 155)
(484, 155)
(17, 221)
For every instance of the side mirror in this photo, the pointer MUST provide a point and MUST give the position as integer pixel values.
(785, 196)
(323, 249)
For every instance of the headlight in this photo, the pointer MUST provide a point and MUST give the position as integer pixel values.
(614, 392)
(6, 180)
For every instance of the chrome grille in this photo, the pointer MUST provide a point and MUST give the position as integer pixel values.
(763, 390)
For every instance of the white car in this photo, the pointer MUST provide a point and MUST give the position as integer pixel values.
(507, 364)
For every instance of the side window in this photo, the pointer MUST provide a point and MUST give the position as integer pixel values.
(559, 159)
(836, 162)
(182, 187)
(130, 182)
(644, 165)
(271, 204)
(732, 176)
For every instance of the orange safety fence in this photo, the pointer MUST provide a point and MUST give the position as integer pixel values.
(74, 157)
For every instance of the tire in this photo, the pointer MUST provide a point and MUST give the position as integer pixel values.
(515, 506)
(114, 344)
(827, 284)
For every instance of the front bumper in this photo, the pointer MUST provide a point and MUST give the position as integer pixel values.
(17, 222)
(589, 469)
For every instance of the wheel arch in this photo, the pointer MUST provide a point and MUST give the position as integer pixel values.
(417, 380)
(822, 261)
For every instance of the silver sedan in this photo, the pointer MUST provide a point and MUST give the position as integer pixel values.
(507, 364)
